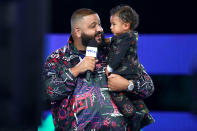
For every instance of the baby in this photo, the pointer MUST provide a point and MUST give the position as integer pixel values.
(123, 60)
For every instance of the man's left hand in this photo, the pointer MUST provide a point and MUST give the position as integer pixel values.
(117, 83)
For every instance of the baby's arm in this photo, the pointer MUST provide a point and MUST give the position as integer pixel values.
(119, 54)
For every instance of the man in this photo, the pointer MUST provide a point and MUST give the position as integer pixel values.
(78, 104)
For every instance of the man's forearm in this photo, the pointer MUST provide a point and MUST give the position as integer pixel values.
(75, 71)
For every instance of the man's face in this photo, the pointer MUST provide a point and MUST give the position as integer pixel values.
(86, 38)
(91, 29)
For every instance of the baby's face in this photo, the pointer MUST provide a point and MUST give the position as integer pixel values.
(117, 25)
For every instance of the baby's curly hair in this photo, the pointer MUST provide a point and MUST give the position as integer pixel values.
(126, 14)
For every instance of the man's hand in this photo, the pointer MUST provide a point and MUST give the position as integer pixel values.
(88, 63)
(117, 83)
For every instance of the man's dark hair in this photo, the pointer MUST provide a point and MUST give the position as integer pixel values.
(79, 14)
(126, 14)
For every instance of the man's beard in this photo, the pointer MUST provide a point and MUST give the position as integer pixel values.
(86, 38)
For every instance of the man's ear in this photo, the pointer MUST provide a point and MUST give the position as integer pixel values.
(77, 32)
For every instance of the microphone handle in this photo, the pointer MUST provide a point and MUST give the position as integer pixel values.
(88, 75)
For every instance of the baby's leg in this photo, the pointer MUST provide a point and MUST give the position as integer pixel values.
(128, 109)
(123, 103)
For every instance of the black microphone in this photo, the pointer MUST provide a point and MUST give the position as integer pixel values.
(91, 50)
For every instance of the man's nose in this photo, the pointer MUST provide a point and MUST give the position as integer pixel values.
(99, 28)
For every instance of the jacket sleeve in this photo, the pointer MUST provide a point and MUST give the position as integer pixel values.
(119, 53)
(143, 87)
(58, 80)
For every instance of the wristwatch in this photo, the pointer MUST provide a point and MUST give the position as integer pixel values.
(131, 86)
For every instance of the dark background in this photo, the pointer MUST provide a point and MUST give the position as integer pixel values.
(156, 16)
(22, 29)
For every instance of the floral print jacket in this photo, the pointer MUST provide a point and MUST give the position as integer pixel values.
(77, 104)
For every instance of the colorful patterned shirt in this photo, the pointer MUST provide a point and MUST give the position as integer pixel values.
(77, 104)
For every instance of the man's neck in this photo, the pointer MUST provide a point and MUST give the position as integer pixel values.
(78, 44)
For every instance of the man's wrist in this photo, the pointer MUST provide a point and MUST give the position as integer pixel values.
(74, 71)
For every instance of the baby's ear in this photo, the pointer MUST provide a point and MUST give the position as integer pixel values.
(127, 25)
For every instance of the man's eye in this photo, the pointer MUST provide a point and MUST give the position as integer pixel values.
(92, 26)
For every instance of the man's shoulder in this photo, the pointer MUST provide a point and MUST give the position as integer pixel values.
(58, 52)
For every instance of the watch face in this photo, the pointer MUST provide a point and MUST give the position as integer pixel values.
(130, 87)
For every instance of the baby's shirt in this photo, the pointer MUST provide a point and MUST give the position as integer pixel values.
(123, 58)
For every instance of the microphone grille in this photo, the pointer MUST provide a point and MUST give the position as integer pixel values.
(93, 43)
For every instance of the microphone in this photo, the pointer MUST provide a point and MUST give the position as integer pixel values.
(91, 50)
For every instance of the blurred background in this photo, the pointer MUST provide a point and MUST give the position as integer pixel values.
(167, 47)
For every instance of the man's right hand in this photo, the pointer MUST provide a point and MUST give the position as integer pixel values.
(88, 63)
